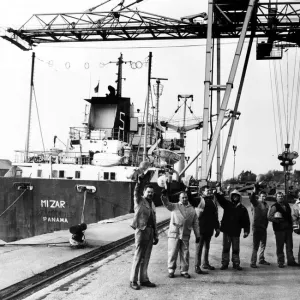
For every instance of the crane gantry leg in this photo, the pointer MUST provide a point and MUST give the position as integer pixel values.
(207, 156)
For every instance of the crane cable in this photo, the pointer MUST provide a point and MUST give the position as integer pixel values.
(273, 104)
(288, 107)
(284, 107)
(278, 103)
(38, 115)
(296, 106)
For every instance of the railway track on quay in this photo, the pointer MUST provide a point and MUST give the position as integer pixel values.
(39, 281)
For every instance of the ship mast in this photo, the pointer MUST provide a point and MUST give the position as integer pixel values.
(147, 107)
(30, 104)
(119, 80)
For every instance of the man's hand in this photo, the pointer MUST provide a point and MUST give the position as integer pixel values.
(164, 192)
(245, 234)
(140, 178)
(217, 233)
(197, 240)
(155, 241)
(218, 187)
(256, 188)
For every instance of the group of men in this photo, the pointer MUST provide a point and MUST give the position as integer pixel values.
(203, 219)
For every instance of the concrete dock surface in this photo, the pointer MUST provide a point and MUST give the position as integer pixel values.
(28, 257)
(109, 278)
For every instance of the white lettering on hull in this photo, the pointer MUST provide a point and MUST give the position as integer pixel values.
(55, 220)
(53, 203)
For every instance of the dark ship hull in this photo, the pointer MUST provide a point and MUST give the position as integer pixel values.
(55, 205)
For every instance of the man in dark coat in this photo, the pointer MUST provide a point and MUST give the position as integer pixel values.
(280, 215)
(207, 212)
(235, 218)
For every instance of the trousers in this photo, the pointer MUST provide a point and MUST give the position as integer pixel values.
(175, 247)
(143, 249)
(259, 239)
(227, 242)
(204, 241)
(284, 237)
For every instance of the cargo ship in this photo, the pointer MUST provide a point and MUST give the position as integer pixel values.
(92, 178)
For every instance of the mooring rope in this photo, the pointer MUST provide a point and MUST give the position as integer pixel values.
(12, 204)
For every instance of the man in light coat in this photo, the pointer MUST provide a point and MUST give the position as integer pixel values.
(144, 223)
(183, 220)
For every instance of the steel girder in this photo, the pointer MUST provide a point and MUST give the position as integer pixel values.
(275, 21)
(102, 26)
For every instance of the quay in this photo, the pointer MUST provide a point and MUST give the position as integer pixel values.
(109, 278)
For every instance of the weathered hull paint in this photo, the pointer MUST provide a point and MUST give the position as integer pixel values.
(54, 205)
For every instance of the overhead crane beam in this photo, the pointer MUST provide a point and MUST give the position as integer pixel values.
(280, 21)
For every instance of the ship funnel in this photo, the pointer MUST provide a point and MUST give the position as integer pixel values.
(88, 188)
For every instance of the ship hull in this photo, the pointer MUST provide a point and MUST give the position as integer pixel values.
(55, 204)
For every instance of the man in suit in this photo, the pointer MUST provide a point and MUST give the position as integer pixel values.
(144, 223)
(183, 219)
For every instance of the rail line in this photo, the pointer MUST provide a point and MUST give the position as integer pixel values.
(37, 282)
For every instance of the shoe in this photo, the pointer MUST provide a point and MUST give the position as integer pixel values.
(224, 267)
(199, 271)
(293, 264)
(263, 262)
(237, 267)
(208, 267)
(185, 275)
(148, 284)
(281, 265)
(171, 275)
(254, 266)
(134, 285)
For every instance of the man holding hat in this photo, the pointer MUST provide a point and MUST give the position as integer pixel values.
(280, 216)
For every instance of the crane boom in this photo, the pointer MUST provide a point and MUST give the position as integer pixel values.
(129, 24)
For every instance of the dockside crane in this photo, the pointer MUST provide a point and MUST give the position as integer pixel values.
(274, 24)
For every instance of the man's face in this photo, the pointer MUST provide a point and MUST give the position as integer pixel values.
(148, 193)
(235, 198)
(207, 192)
(183, 198)
(280, 198)
(262, 197)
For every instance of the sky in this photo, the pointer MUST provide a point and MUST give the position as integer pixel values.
(66, 74)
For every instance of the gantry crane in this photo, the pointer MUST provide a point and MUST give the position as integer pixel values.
(276, 22)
